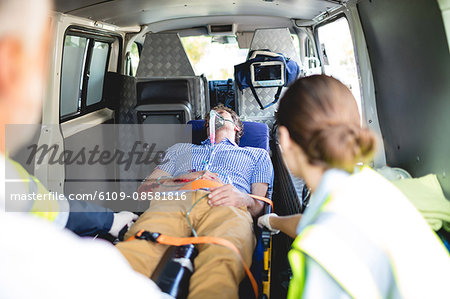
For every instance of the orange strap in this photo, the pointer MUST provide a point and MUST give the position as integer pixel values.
(201, 183)
(205, 183)
(261, 198)
(177, 241)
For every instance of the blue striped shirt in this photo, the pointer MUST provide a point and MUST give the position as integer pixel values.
(239, 166)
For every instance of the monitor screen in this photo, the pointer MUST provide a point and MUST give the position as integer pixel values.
(267, 72)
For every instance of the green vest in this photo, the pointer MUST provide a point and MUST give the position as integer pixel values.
(47, 208)
(347, 266)
(310, 243)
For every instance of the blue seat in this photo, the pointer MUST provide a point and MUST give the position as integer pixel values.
(255, 135)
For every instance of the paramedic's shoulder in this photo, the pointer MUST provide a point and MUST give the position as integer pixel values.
(52, 258)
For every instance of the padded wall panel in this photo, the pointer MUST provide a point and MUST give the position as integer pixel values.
(277, 40)
(411, 66)
(250, 110)
(163, 55)
(120, 92)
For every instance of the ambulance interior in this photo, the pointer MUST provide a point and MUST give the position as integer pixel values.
(141, 62)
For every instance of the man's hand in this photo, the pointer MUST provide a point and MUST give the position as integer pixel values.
(228, 195)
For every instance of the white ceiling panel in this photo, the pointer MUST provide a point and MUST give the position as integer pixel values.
(140, 12)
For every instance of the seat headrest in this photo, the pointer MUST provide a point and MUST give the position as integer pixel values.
(162, 91)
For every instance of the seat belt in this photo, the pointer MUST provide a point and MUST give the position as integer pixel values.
(255, 95)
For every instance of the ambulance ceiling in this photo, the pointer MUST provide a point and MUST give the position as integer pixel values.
(141, 12)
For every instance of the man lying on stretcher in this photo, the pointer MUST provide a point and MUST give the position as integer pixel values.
(226, 211)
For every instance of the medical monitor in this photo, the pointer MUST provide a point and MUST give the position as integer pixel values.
(267, 74)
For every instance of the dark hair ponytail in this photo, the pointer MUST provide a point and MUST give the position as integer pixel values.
(322, 117)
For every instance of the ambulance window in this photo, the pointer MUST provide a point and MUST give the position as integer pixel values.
(338, 56)
(97, 71)
(214, 57)
(72, 67)
(84, 65)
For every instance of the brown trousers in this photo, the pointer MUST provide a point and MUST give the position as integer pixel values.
(218, 270)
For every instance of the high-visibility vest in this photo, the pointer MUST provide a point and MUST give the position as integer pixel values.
(50, 208)
(353, 276)
(360, 201)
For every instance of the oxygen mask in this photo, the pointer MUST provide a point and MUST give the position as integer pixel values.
(216, 122)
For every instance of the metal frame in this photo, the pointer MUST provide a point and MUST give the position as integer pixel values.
(52, 175)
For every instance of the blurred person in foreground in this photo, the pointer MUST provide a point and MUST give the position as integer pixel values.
(38, 260)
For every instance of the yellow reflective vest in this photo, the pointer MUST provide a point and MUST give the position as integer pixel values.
(367, 208)
(34, 197)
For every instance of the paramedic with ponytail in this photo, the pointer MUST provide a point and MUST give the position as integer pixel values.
(359, 237)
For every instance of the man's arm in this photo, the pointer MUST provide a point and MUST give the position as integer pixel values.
(166, 182)
(259, 189)
(152, 183)
(228, 195)
(156, 174)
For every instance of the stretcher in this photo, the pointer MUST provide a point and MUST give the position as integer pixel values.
(170, 280)
(255, 135)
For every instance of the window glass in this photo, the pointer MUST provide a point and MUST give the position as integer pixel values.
(97, 73)
(214, 56)
(134, 56)
(338, 55)
(72, 69)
